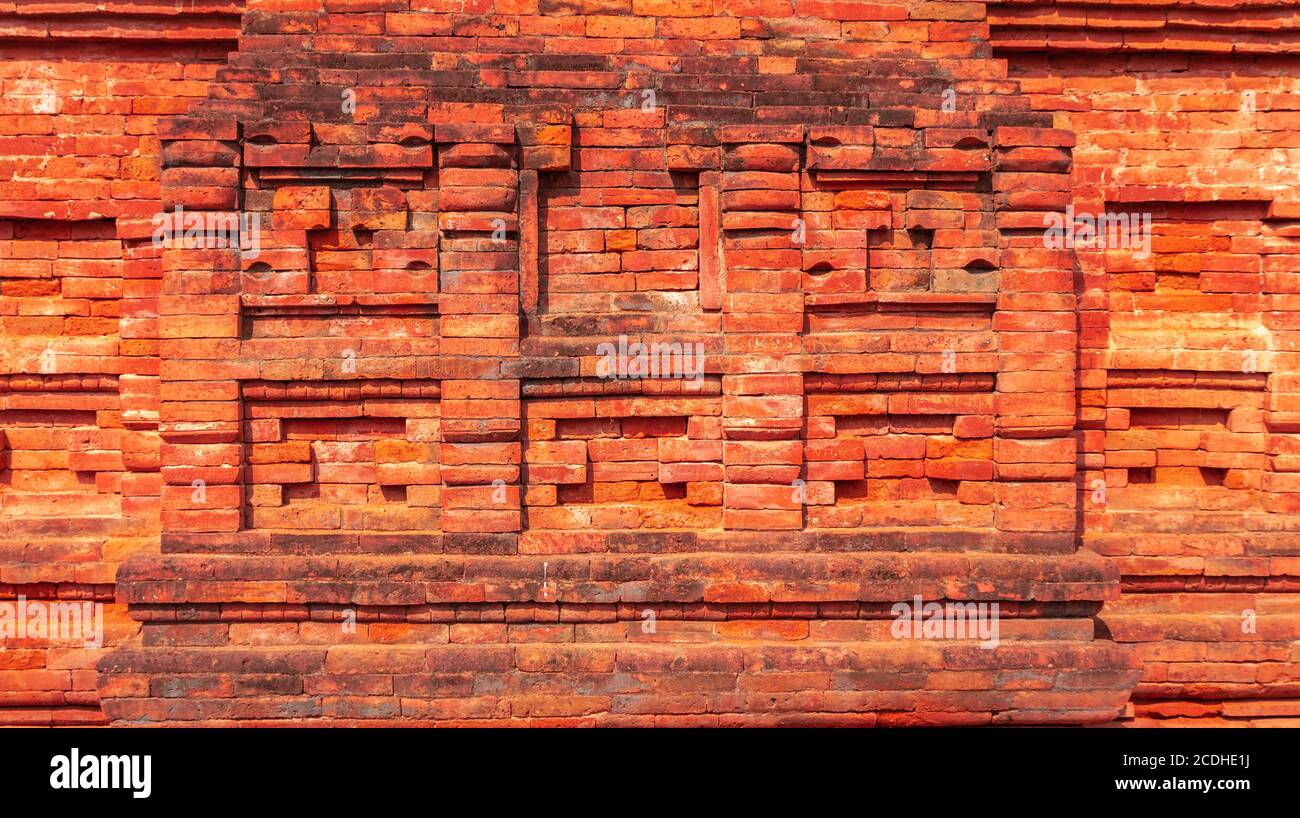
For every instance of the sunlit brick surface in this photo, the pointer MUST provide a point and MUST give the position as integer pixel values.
(400, 460)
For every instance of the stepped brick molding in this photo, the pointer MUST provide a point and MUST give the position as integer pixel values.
(631, 362)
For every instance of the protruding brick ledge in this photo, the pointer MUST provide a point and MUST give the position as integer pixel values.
(610, 639)
(1205, 26)
(722, 578)
(777, 672)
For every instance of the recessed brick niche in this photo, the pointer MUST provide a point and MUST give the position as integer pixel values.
(376, 470)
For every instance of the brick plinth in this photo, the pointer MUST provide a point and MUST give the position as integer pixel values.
(777, 672)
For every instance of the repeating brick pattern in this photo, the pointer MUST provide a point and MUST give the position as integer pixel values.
(82, 87)
(1186, 362)
(378, 470)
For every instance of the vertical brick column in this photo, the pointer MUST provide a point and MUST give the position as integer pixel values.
(763, 318)
(1280, 282)
(199, 326)
(478, 176)
(1034, 447)
(139, 385)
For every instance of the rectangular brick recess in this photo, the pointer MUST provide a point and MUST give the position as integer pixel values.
(388, 463)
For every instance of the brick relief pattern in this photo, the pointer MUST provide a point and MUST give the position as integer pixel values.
(1185, 353)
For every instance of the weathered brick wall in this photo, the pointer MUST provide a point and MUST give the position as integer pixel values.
(381, 469)
(82, 86)
(1187, 357)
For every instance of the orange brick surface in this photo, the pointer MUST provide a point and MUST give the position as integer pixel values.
(623, 362)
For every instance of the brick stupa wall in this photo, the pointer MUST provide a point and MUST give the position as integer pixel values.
(376, 470)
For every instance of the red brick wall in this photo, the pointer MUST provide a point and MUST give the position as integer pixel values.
(1187, 360)
(379, 473)
(82, 86)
